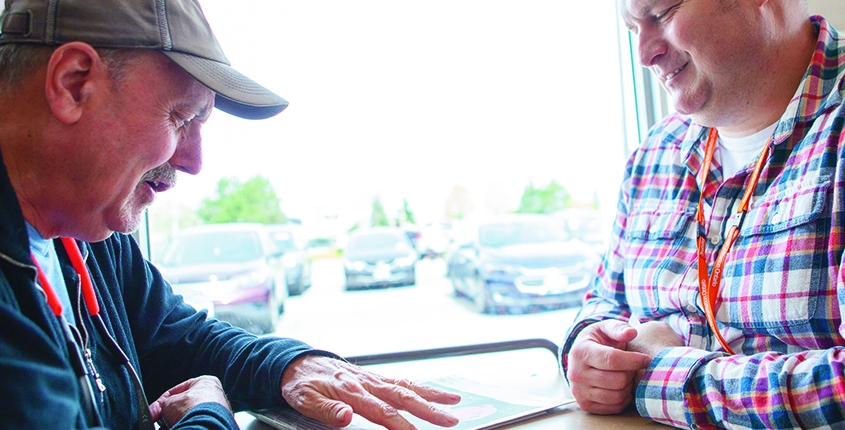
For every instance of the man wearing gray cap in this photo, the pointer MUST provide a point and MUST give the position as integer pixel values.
(101, 102)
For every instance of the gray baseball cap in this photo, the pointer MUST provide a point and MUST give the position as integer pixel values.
(176, 28)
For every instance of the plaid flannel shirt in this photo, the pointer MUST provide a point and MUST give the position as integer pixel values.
(783, 286)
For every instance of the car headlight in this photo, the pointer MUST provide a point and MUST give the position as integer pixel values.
(356, 266)
(405, 261)
(250, 279)
(289, 260)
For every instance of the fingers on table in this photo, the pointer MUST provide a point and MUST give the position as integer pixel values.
(429, 393)
(409, 396)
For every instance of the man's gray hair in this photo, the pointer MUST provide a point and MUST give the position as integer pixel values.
(19, 60)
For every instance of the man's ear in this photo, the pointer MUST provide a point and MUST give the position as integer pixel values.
(73, 73)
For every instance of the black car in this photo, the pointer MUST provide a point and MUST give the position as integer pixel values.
(520, 263)
(290, 240)
(379, 257)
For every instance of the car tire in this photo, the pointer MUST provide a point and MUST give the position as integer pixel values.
(457, 291)
(481, 296)
(295, 289)
(275, 308)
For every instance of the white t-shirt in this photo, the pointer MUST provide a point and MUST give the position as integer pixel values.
(735, 153)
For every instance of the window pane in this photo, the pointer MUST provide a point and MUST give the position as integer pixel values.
(440, 114)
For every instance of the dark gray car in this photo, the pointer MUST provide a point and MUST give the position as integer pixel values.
(290, 240)
(379, 257)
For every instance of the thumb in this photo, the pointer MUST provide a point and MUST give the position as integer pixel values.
(621, 331)
(155, 411)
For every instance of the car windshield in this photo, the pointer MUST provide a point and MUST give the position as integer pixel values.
(501, 234)
(376, 241)
(213, 247)
(283, 241)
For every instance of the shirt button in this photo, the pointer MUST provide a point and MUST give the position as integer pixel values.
(715, 239)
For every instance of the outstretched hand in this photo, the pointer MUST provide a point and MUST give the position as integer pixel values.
(331, 390)
(601, 371)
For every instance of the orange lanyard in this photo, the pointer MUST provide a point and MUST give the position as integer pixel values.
(145, 421)
(87, 286)
(708, 286)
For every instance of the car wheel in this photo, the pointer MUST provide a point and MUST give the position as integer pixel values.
(280, 294)
(347, 286)
(481, 297)
(295, 289)
(274, 308)
(458, 292)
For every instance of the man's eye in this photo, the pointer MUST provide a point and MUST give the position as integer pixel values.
(666, 13)
(182, 121)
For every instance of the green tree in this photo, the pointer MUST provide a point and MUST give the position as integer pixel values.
(236, 201)
(379, 218)
(409, 215)
(544, 200)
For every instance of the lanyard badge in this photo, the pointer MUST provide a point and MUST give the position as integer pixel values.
(708, 284)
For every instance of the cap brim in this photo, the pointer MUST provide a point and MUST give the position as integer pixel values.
(235, 93)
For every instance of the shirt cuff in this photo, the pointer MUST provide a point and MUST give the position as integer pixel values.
(661, 393)
(207, 415)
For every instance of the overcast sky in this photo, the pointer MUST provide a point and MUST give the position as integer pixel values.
(408, 99)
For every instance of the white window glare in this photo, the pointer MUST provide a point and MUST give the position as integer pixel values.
(422, 107)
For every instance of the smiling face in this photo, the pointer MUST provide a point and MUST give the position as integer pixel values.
(706, 53)
(137, 136)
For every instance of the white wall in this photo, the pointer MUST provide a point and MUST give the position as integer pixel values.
(833, 10)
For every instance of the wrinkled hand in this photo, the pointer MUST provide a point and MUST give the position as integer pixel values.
(177, 401)
(600, 369)
(330, 390)
(652, 337)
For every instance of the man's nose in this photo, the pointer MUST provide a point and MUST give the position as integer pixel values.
(651, 45)
(188, 155)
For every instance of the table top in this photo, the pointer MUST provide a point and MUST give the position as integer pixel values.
(565, 417)
(531, 372)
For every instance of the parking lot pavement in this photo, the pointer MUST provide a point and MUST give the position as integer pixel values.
(425, 315)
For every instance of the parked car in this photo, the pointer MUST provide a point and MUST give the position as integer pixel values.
(290, 239)
(521, 263)
(233, 270)
(379, 257)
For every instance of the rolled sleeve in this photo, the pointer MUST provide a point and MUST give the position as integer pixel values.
(660, 395)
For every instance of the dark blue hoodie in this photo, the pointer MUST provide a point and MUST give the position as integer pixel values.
(167, 341)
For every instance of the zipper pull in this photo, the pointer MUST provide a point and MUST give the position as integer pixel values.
(94, 372)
